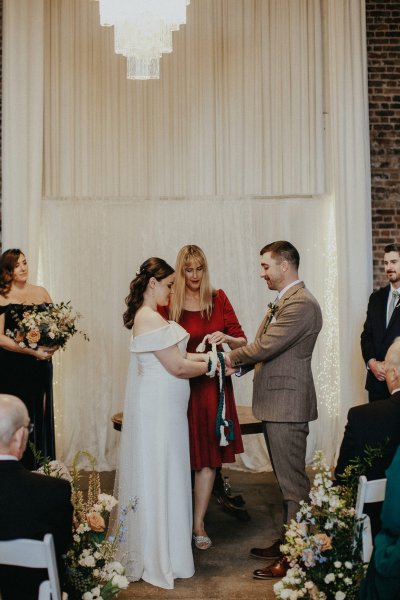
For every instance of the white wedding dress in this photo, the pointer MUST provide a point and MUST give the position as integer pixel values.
(154, 464)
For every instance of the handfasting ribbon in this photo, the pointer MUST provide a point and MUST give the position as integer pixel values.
(221, 421)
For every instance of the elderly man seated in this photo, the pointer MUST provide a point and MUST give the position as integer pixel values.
(31, 504)
(373, 424)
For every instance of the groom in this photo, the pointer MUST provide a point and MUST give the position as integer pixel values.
(284, 396)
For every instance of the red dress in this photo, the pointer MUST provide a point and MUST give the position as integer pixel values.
(205, 450)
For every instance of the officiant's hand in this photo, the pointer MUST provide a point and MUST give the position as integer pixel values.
(219, 337)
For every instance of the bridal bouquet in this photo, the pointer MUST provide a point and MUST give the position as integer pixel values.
(92, 571)
(45, 325)
(323, 544)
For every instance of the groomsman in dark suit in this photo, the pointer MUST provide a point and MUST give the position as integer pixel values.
(284, 397)
(31, 504)
(382, 325)
(377, 423)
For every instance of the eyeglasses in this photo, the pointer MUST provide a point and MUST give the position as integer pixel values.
(29, 427)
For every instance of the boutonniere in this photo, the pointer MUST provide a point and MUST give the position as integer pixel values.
(272, 307)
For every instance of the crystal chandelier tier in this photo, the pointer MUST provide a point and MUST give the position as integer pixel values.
(143, 31)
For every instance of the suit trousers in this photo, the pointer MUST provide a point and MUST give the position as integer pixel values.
(287, 444)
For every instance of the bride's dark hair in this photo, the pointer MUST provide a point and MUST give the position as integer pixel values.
(152, 267)
(8, 262)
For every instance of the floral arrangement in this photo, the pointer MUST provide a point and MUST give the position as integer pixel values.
(49, 326)
(92, 571)
(323, 545)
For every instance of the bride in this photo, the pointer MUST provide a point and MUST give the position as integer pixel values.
(154, 464)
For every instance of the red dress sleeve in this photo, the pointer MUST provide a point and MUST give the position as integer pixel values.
(231, 324)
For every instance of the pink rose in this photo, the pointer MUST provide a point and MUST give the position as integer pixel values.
(33, 336)
(95, 521)
(325, 542)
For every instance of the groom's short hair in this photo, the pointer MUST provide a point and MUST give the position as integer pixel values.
(283, 251)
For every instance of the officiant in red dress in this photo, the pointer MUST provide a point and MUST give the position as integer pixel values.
(203, 311)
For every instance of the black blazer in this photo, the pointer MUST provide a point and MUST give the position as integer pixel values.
(32, 505)
(376, 337)
(371, 424)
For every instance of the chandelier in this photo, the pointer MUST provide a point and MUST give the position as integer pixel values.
(143, 31)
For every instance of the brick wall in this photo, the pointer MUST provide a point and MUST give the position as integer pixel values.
(383, 44)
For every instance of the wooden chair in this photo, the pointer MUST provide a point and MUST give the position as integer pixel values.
(35, 554)
(368, 492)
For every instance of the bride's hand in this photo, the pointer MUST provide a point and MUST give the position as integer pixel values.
(198, 357)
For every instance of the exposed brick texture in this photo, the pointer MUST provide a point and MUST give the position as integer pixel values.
(383, 44)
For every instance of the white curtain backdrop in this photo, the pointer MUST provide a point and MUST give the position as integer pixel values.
(22, 125)
(257, 130)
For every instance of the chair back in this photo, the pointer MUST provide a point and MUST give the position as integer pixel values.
(368, 491)
(34, 554)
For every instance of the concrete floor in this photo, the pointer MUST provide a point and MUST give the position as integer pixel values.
(224, 572)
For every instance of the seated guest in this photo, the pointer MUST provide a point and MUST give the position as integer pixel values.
(377, 423)
(31, 504)
(382, 581)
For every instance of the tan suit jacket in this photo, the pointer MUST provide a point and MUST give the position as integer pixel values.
(283, 389)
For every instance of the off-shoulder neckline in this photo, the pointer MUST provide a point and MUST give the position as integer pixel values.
(24, 304)
(168, 323)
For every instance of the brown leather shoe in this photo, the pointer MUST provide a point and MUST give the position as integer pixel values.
(277, 570)
(270, 552)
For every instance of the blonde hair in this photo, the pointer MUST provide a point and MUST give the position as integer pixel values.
(187, 255)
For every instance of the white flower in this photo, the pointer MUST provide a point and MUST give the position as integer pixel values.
(348, 581)
(76, 538)
(309, 585)
(96, 592)
(348, 564)
(337, 564)
(108, 502)
(89, 561)
(330, 577)
(120, 581)
(340, 595)
(87, 596)
(113, 567)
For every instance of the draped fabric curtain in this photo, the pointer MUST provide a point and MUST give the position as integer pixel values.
(256, 131)
(22, 125)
